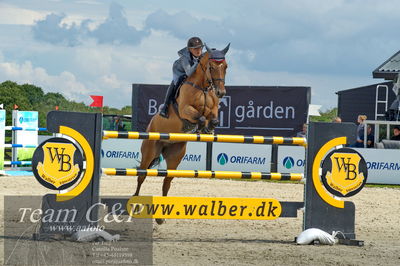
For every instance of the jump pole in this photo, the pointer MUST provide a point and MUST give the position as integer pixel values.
(322, 210)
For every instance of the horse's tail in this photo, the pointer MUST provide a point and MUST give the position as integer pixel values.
(156, 161)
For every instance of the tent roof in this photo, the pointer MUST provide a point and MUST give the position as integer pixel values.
(389, 69)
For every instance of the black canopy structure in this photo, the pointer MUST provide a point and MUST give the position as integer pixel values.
(377, 101)
(365, 100)
(389, 69)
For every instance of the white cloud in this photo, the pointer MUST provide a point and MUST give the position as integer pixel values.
(113, 30)
(77, 19)
(323, 86)
(144, 63)
(14, 15)
(329, 47)
(110, 70)
(64, 83)
(90, 68)
(88, 2)
(110, 81)
(339, 37)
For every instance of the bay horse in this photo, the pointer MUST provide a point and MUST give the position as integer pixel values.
(195, 111)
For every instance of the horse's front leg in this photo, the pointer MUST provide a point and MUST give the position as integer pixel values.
(193, 116)
(150, 150)
(213, 121)
(212, 125)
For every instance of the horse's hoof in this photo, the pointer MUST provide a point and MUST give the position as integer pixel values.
(214, 122)
(160, 221)
(207, 130)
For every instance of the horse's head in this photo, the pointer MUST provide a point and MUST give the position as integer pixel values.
(217, 67)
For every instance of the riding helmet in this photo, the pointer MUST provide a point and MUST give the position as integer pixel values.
(194, 42)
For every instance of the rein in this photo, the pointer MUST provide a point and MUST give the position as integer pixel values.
(223, 80)
(196, 86)
(210, 82)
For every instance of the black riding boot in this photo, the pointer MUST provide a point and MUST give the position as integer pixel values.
(168, 99)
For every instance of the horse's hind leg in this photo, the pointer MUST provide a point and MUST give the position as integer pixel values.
(150, 150)
(173, 155)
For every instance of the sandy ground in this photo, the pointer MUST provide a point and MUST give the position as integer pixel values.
(239, 242)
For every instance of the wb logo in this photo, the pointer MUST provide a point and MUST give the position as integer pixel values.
(347, 167)
(57, 163)
(344, 172)
(63, 159)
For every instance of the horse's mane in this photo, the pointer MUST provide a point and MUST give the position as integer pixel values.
(204, 58)
(202, 64)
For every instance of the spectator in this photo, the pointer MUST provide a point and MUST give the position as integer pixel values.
(370, 138)
(118, 125)
(303, 133)
(337, 120)
(360, 132)
(396, 133)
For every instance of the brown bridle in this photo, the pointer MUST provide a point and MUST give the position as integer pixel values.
(210, 79)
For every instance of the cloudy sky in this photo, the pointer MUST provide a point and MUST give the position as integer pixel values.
(85, 47)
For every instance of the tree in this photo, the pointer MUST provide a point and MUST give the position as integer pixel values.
(33, 93)
(32, 98)
(326, 116)
(11, 94)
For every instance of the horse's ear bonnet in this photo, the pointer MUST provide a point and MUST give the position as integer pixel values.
(216, 54)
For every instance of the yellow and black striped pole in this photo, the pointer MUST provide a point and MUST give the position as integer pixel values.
(203, 174)
(203, 137)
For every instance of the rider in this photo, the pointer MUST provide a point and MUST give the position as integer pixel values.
(189, 58)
